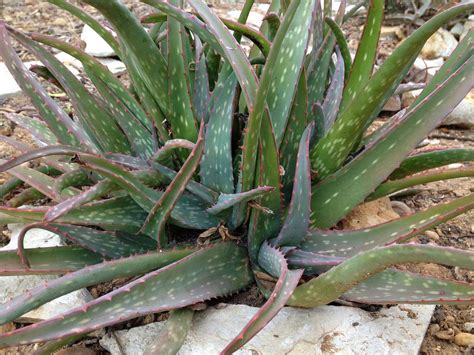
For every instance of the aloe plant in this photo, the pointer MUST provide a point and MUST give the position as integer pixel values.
(264, 153)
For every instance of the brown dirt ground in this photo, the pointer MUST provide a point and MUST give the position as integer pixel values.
(37, 16)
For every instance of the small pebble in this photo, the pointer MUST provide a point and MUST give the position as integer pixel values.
(464, 339)
(469, 327)
(445, 334)
(432, 235)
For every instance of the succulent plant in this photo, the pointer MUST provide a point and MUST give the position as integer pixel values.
(263, 153)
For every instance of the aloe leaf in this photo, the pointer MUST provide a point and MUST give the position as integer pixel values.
(24, 197)
(66, 131)
(430, 160)
(95, 192)
(157, 218)
(366, 54)
(108, 244)
(312, 263)
(87, 276)
(216, 165)
(165, 151)
(45, 73)
(265, 222)
(297, 220)
(97, 123)
(332, 101)
(274, 262)
(169, 340)
(201, 96)
(319, 60)
(148, 294)
(90, 21)
(6, 218)
(285, 63)
(255, 36)
(361, 267)
(361, 176)
(349, 243)
(150, 69)
(460, 55)
(181, 116)
(392, 186)
(341, 42)
(118, 214)
(44, 261)
(38, 129)
(41, 182)
(331, 152)
(226, 201)
(294, 130)
(194, 187)
(75, 178)
(394, 286)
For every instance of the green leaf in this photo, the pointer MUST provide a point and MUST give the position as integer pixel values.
(227, 201)
(381, 157)
(331, 152)
(341, 42)
(284, 65)
(394, 286)
(348, 243)
(66, 130)
(274, 262)
(169, 340)
(38, 129)
(294, 130)
(216, 166)
(181, 115)
(157, 218)
(134, 40)
(90, 21)
(44, 261)
(108, 244)
(227, 272)
(366, 54)
(392, 186)
(85, 276)
(98, 124)
(76, 178)
(430, 160)
(297, 220)
(201, 95)
(361, 267)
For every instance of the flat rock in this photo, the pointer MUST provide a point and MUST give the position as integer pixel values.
(95, 45)
(463, 114)
(441, 44)
(394, 104)
(322, 330)
(12, 286)
(8, 85)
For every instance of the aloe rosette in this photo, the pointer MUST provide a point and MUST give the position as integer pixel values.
(264, 153)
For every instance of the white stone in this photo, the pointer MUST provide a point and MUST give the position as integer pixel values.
(430, 66)
(12, 286)
(95, 45)
(462, 115)
(457, 29)
(441, 44)
(394, 104)
(322, 330)
(468, 25)
(8, 85)
(115, 66)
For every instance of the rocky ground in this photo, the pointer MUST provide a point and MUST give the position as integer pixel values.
(448, 321)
